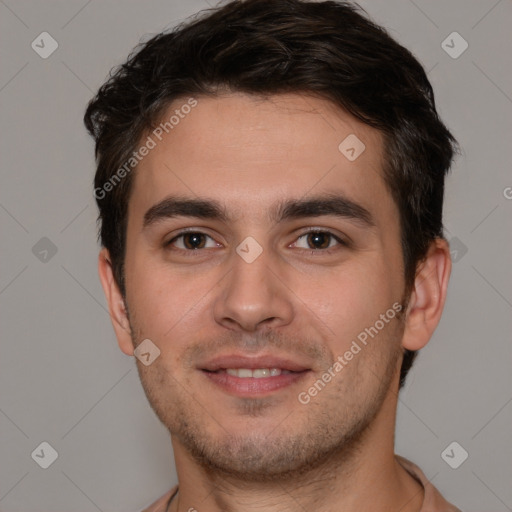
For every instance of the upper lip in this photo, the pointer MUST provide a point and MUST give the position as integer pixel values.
(240, 361)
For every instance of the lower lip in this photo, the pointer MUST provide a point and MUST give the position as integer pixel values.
(250, 386)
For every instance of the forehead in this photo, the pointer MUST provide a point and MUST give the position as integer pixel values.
(251, 152)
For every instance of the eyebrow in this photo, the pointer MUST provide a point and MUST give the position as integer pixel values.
(325, 205)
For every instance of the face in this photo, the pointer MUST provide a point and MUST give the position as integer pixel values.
(261, 261)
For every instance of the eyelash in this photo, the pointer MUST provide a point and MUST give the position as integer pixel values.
(196, 252)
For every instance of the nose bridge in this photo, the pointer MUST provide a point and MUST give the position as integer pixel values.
(253, 294)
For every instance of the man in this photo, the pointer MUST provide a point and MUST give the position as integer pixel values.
(270, 182)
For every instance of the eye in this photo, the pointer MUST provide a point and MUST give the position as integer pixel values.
(191, 240)
(318, 240)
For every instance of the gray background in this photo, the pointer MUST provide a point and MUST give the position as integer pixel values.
(62, 378)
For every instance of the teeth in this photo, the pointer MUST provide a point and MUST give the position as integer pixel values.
(264, 372)
(257, 373)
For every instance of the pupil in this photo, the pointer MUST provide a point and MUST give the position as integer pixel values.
(319, 240)
(193, 241)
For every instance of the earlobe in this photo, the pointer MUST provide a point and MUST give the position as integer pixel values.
(116, 304)
(428, 296)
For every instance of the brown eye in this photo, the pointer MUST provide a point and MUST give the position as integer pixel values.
(318, 240)
(192, 240)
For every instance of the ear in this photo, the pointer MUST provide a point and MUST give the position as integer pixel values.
(428, 295)
(116, 304)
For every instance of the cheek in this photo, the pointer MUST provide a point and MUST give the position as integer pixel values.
(154, 297)
(347, 302)
(166, 305)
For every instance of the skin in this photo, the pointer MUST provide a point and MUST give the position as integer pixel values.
(296, 300)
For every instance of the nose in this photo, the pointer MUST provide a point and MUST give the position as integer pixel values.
(254, 296)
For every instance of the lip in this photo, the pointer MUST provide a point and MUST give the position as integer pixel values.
(241, 361)
(251, 386)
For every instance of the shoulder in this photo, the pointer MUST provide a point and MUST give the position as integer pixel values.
(433, 501)
(161, 504)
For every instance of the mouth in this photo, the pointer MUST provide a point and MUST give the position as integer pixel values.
(245, 377)
(257, 373)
